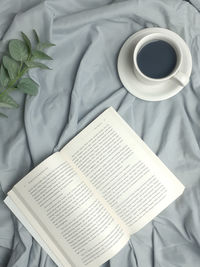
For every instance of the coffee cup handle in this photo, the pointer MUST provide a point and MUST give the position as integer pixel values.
(181, 78)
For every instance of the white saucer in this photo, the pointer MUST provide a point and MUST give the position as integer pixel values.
(136, 87)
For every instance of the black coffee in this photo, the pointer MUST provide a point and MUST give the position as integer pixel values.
(157, 59)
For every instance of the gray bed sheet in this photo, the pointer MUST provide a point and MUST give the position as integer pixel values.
(84, 81)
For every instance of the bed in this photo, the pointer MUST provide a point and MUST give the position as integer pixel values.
(82, 83)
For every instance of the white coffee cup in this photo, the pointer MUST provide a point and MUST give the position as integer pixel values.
(176, 74)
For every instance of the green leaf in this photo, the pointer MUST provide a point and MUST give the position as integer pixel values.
(4, 79)
(36, 36)
(6, 101)
(3, 115)
(31, 64)
(18, 50)
(40, 55)
(28, 86)
(11, 65)
(27, 42)
(42, 46)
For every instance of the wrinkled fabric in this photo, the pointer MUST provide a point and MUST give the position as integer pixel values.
(83, 83)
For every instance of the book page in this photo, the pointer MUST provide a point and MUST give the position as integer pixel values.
(130, 177)
(32, 231)
(67, 215)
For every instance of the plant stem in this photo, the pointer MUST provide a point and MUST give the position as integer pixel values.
(20, 67)
(13, 82)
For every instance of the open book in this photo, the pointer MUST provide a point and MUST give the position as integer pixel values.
(82, 204)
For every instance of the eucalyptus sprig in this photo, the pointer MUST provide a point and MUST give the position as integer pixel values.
(20, 58)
